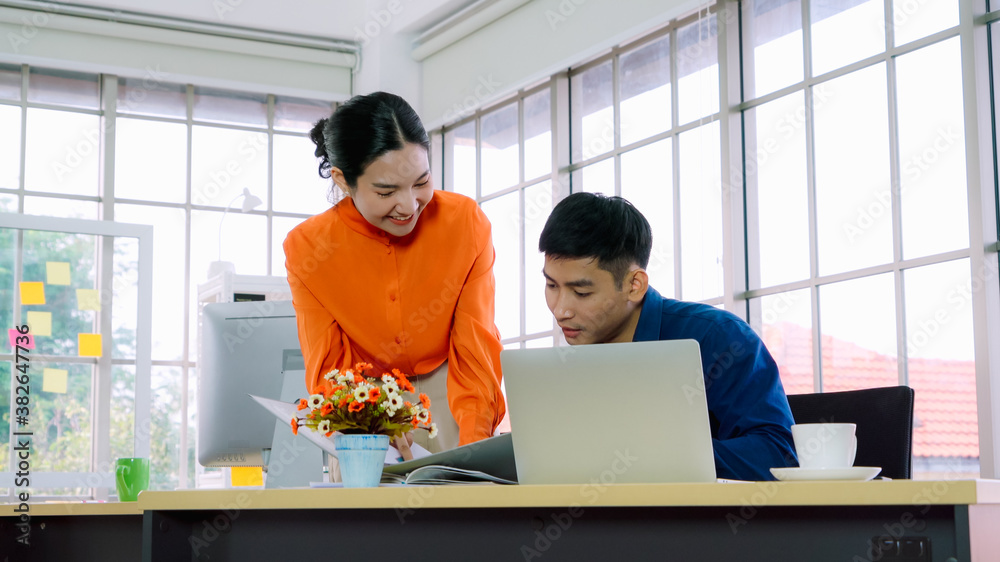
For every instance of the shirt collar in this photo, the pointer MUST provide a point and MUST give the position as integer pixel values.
(648, 327)
(356, 222)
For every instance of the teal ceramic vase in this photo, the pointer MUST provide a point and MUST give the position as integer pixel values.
(361, 459)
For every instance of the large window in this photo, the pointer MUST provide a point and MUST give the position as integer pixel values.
(858, 210)
(816, 181)
(173, 156)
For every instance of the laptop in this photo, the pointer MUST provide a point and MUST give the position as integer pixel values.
(609, 413)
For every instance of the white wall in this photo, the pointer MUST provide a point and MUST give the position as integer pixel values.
(529, 44)
(56, 40)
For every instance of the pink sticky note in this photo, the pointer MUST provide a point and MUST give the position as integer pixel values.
(17, 338)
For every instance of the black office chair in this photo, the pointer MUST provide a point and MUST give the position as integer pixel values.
(884, 419)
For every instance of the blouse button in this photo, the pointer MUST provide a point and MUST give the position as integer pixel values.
(398, 341)
(392, 297)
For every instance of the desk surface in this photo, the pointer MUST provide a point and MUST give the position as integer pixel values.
(74, 508)
(878, 492)
(896, 492)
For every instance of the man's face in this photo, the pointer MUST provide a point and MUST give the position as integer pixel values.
(587, 303)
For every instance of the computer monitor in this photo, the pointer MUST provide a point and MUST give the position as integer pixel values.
(245, 348)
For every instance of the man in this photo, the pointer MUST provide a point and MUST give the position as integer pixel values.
(596, 250)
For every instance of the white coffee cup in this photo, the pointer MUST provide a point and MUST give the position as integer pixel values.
(825, 445)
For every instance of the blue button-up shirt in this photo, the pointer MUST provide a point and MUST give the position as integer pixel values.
(747, 408)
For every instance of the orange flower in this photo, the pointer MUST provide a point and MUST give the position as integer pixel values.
(358, 379)
(303, 403)
(362, 366)
(295, 426)
(414, 422)
(374, 394)
(425, 401)
(327, 409)
(356, 407)
(403, 382)
(343, 401)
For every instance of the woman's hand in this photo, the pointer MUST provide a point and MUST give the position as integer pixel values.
(402, 444)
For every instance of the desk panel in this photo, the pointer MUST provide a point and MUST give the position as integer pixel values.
(816, 534)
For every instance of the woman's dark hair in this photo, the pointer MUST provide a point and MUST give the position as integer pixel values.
(361, 130)
(610, 229)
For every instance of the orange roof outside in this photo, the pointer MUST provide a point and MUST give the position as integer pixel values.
(945, 422)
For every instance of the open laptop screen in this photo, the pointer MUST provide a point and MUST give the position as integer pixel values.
(623, 412)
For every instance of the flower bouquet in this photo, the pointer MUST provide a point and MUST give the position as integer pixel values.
(358, 404)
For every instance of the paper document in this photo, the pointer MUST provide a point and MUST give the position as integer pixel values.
(285, 412)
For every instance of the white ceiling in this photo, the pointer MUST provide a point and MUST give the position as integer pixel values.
(339, 19)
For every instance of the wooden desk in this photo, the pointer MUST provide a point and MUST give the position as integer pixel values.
(73, 531)
(812, 521)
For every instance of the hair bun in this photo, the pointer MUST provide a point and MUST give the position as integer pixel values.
(318, 136)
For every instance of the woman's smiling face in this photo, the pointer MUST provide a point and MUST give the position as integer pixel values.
(393, 190)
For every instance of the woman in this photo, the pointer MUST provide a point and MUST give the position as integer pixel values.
(397, 274)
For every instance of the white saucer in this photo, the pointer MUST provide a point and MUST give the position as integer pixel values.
(860, 473)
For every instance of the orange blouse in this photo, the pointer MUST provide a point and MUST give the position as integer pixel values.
(410, 303)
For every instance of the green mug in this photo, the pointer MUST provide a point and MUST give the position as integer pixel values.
(131, 477)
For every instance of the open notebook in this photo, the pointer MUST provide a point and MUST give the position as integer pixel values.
(619, 412)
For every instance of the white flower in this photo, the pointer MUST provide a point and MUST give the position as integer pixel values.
(434, 431)
(361, 393)
(423, 416)
(390, 387)
(334, 374)
(315, 401)
(394, 401)
(323, 427)
(387, 378)
(388, 409)
(344, 378)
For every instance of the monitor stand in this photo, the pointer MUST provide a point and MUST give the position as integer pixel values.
(293, 461)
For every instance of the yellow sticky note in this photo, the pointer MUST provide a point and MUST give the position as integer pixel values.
(54, 380)
(90, 345)
(57, 272)
(32, 292)
(40, 322)
(247, 476)
(88, 299)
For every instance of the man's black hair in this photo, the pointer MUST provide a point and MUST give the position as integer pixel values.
(610, 229)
